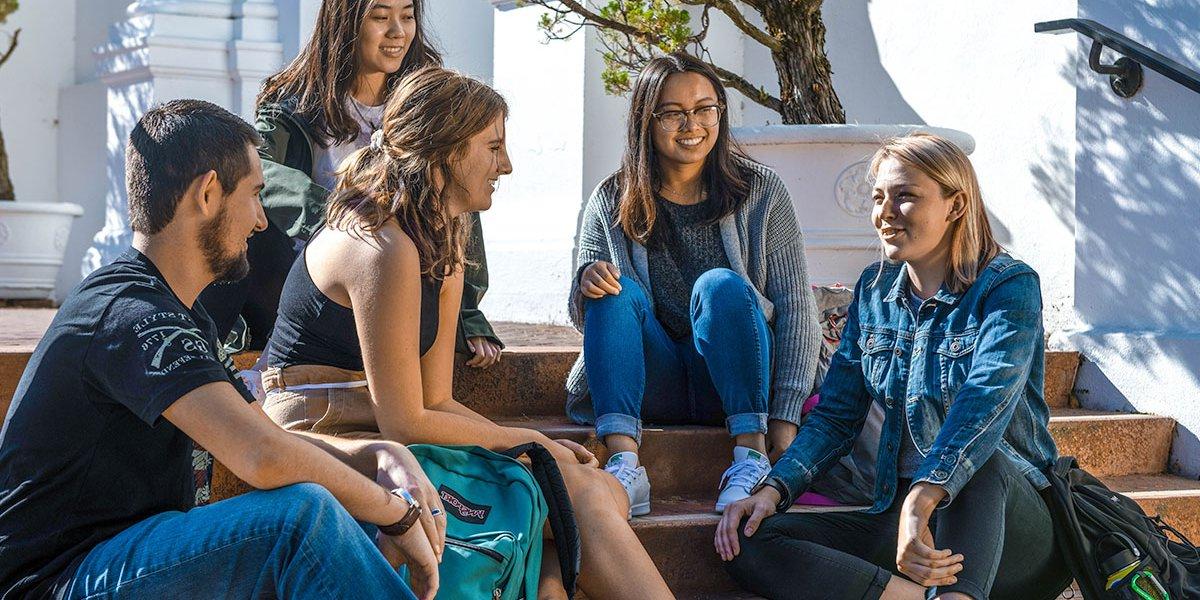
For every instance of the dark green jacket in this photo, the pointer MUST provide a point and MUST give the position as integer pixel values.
(296, 205)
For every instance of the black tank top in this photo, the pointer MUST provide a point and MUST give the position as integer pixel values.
(312, 329)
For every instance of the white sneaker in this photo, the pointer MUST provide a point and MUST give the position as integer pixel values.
(749, 467)
(623, 466)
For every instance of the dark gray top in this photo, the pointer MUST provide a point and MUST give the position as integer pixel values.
(687, 248)
(909, 459)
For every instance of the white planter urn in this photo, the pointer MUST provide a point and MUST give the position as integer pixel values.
(825, 168)
(33, 236)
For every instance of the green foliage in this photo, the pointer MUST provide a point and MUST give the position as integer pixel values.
(7, 7)
(663, 26)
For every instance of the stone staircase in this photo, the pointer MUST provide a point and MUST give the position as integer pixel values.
(1129, 451)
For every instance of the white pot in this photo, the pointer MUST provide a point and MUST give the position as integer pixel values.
(825, 170)
(33, 236)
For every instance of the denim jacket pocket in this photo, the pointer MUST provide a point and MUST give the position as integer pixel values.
(955, 352)
(877, 349)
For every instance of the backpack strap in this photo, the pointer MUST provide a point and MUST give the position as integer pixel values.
(562, 514)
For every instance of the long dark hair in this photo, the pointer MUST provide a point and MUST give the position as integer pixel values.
(428, 124)
(322, 76)
(639, 177)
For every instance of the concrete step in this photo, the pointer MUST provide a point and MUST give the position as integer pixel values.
(689, 460)
(1110, 444)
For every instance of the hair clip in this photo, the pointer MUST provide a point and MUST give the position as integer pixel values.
(377, 140)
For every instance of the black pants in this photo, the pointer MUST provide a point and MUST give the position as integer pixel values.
(256, 297)
(998, 522)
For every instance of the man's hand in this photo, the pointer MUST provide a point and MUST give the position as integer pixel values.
(412, 549)
(486, 352)
(757, 507)
(780, 435)
(398, 468)
(915, 554)
(600, 279)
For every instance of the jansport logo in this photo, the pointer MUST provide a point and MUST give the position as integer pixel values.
(463, 509)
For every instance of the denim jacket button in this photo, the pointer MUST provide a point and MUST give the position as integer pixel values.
(871, 341)
(898, 352)
(940, 474)
(955, 346)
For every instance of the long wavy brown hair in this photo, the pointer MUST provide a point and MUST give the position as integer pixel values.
(427, 125)
(322, 76)
(639, 178)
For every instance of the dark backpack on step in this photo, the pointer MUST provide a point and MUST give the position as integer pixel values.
(1115, 551)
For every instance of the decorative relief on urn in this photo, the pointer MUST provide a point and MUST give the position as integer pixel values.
(853, 190)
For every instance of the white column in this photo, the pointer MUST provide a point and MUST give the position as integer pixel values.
(215, 50)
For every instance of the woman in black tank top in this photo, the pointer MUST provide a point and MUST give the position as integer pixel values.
(364, 342)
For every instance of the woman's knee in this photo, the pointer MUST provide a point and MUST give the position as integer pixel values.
(720, 288)
(749, 564)
(631, 295)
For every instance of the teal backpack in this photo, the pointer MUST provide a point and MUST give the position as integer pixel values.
(496, 508)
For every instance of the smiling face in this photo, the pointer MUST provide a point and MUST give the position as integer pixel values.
(912, 215)
(223, 238)
(690, 146)
(478, 169)
(386, 32)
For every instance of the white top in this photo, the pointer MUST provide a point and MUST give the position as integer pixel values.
(326, 160)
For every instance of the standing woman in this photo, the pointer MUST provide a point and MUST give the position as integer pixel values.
(364, 342)
(312, 115)
(946, 337)
(692, 284)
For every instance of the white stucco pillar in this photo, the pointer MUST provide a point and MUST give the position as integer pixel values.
(215, 50)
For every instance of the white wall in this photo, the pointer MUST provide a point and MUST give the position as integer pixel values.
(1138, 196)
(43, 63)
(977, 67)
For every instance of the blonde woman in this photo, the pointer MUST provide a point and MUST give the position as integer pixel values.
(364, 342)
(946, 336)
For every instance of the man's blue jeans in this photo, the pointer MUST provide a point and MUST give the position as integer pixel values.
(635, 370)
(293, 542)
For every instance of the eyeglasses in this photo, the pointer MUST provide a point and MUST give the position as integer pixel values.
(676, 120)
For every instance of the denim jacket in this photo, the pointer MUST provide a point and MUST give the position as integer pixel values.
(970, 378)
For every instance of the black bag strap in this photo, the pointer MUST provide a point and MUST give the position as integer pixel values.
(562, 513)
(1068, 533)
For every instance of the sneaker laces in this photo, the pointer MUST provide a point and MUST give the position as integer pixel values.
(744, 474)
(623, 472)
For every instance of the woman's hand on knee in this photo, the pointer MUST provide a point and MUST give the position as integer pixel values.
(579, 453)
(600, 279)
(754, 509)
(916, 556)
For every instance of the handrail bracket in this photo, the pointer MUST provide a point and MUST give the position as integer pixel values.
(1124, 76)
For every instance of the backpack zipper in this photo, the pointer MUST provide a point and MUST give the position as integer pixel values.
(488, 552)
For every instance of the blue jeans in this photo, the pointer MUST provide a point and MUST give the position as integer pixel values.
(293, 542)
(635, 370)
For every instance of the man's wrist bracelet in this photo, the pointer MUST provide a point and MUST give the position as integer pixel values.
(410, 517)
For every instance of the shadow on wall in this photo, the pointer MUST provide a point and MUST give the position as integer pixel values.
(865, 87)
(1137, 176)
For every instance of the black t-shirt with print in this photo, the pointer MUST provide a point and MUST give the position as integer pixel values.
(85, 452)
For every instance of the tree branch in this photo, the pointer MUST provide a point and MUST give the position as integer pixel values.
(735, 15)
(748, 90)
(12, 46)
(600, 21)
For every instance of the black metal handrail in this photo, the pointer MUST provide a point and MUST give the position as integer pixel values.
(1126, 73)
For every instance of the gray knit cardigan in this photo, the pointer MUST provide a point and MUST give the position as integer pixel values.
(763, 243)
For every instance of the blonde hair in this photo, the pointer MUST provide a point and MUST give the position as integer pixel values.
(428, 123)
(972, 245)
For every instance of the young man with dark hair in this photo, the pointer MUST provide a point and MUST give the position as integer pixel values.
(96, 486)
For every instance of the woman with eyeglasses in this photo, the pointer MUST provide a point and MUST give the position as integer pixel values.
(691, 291)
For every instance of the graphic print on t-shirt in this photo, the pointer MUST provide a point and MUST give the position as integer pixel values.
(169, 340)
